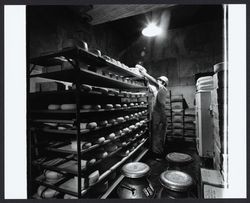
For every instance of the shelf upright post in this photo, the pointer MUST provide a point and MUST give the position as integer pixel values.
(78, 132)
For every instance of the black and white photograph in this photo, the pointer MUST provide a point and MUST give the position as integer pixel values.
(128, 101)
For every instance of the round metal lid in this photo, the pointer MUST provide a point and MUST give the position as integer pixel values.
(135, 170)
(179, 157)
(176, 180)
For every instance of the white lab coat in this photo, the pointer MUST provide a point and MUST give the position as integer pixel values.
(159, 121)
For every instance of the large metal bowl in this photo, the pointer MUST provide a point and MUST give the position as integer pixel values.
(176, 180)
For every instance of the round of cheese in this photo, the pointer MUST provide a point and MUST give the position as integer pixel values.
(103, 123)
(118, 106)
(96, 52)
(61, 128)
(126, 117)
(67, 196)
(110, 147)
(92, 161)
(51, 124)
(45, 193)
(86, 107)
(111, 136)
(100, 140)
(102, 155)
(52, 175)
(97, 107)
(54, 106)
(132, 127)
(91, 125)
(68, 106)
(112, 121)
(124, 105)
(137, 124)
(86, 88)
(83, 126)
(131, 104)
(93, 177)
(108, 106)
(120, 119)
(86, 145)
(142, 103)
(126, 130)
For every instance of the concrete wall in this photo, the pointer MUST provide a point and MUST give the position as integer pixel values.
(180, 54)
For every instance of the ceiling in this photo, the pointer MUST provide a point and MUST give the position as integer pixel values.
(107, 13)
(170, 17)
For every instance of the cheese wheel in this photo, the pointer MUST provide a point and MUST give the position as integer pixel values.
(65, 126)
(68, 106)
(118, 106)
(54, 106)
(110, 147)
(86, 145)
(126, 117)
(112, 121)
(92, 161)
(96, 52)
(51, 124)
(93, 177)
(137, 124)
(124, 105)
(126, 130)
(100, 89)
(119, 132)
(67, 196)
(86, 107)
(83, 126)
(132, 127)
(103, 123)
(61, 128)
(111, 136)
(102, 155)
(52, 175)
(108, 106)
(86, 88)
(74, 43)
(97, 107)
(131, 104)
(91, 125)
(100, 140)
(120, 119)
(142, 103)
(46, 193)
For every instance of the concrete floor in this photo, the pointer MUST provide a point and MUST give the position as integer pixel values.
(193, 168)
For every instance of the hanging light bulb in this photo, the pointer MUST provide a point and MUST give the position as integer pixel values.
(151, 30)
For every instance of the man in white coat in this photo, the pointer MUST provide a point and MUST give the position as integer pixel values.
(159, 119)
